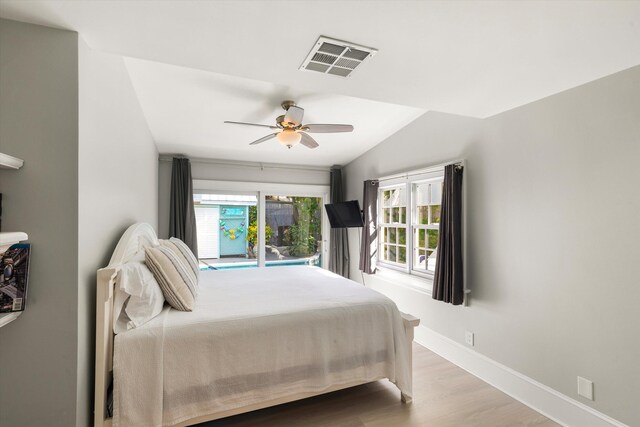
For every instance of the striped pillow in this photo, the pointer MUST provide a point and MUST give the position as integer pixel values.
(176, 280)
(184, 253)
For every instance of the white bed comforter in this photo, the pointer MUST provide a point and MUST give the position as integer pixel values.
(256, 334)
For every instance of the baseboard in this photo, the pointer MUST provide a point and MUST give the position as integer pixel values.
(545, 400)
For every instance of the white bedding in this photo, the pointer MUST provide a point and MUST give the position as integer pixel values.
(256, 334)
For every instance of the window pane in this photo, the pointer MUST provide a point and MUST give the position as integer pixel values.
(227, 230)
(432, 239)
(392, 235)
(422, 215)
(435, 214)
(422, 194)
(395, 215)
(398, 197)
(420, 239)
(402, 236)
(386, 215)
(436, 193)
(431, 260)
(402, 255)
(293, 229)
(391, 253)
(403, 215)
(420, 259)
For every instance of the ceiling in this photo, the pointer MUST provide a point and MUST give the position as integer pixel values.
(236, 60)
(185, 109)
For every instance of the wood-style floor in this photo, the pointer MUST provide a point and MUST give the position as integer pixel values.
(444, 396)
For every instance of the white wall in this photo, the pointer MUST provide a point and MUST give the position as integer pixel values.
(553, 202)
(39, 123)
(118, 181)
(230, 171)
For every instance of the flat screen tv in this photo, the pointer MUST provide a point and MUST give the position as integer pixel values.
(344, 214)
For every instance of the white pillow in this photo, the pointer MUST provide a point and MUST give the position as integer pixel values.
(137, 298)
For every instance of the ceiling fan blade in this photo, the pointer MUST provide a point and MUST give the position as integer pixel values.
(327, 128)
(307, 141)
(294, 115)
(263, 139)
(252, 124)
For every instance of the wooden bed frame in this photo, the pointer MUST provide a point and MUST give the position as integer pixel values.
(130, 243)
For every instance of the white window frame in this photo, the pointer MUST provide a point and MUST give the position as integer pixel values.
(406, 274)
(262, 190)
(414, 224)
(391, 224)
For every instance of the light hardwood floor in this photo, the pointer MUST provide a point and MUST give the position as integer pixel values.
(444, 396)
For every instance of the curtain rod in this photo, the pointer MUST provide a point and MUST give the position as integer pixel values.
(459, 162)
(261, 166)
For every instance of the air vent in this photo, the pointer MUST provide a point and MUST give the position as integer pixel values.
(330, 56)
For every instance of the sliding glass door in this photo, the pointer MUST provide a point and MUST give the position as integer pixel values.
(278, 225)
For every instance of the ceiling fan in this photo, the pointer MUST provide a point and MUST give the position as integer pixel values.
(291, 131)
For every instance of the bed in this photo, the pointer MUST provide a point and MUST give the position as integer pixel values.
(256, 338)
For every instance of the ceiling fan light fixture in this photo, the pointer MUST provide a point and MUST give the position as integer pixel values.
(292, 131)
(288, 138)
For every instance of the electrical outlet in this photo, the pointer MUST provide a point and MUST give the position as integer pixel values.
(585, 388)
(468, 338)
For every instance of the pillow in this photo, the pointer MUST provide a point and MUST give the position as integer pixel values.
(176, 280)
(137, 297)
(184, 254)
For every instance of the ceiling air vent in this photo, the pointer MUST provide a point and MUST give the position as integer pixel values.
(330, 56)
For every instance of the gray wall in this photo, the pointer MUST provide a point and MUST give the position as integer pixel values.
(39, 123)
(118, 176)
(91, 170)
(248, 172)
(553, 202)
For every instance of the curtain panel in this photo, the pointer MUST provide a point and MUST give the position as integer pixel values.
(369, 239)
(182, 215)
(339, 242)
(448, 285)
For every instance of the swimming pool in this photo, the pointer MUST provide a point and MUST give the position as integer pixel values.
(236, 265)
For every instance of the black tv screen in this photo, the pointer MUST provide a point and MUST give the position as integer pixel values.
(344, 214)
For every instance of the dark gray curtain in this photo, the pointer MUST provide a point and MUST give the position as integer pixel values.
(339, 242)
(182, 216)
(368, 244)
(448, 283)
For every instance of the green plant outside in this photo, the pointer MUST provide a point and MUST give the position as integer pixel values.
(302, 237)
(252, 230)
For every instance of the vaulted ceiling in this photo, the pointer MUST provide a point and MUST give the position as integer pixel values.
(185, 109)
(236, 60)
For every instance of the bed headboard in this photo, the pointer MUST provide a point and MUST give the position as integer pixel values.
(132, 241)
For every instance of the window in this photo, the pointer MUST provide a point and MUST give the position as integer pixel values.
(409, 221)
(393, 229)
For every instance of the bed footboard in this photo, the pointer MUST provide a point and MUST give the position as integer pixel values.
(410, 322)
